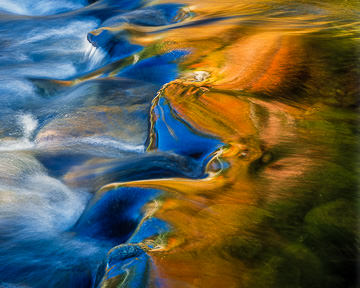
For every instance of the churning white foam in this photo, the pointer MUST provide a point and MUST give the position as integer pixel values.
(28, 124)
(93, 55)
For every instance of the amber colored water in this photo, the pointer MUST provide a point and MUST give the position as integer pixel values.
(260, 97)
(277, 83)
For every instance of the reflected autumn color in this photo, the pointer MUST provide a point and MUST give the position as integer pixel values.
(251, 222)
(179, 143)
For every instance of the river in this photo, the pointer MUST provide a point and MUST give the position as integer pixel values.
(179, 143)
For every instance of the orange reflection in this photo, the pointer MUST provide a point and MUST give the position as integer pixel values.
(238, 64)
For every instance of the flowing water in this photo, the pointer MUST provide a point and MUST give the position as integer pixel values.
(179, 143)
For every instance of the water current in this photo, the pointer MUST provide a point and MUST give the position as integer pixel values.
(179, 143)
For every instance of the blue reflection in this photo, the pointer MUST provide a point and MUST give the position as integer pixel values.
(115, 215)
(175, 135)
(67, 129)
(159, 69)
(116, 45)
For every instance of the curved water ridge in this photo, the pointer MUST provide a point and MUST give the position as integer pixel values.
(178, 143)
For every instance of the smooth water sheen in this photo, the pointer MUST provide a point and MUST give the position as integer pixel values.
(179, 143)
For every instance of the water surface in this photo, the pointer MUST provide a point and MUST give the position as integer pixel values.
(179, 143)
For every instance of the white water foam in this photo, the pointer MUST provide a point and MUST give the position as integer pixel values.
(68, 42)
(39, 7)
(112, 143)
(74, 30)
(28, 124)
(33, 201)
(93, 55)
(93, 145)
